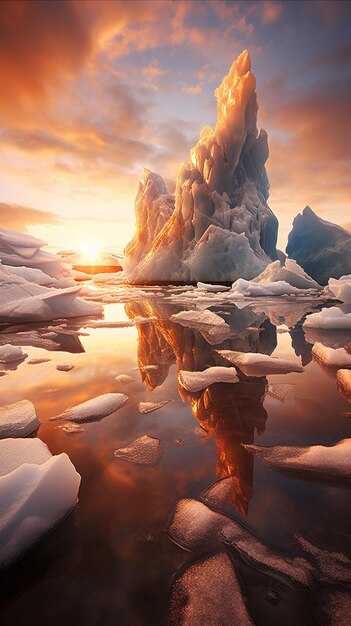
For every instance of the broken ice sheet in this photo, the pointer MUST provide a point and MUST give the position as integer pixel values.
(208, 592)
(10, 354)
(219, 492)
(196, 381)
(124, 378)
(150, 407)
(71, 428)
(321, 461)
(257, 364)
(93, 409)
(64, 367)
(18, 419)
(144, 451)
(331, 357)
(280, 391)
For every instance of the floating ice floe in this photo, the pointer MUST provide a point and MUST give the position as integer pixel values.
(251, 289)
(257, 364)
(18, 419)
(37, 490)
(150, 407)
(331, 357)
(64, 367)
(105, 324)
(9, 353)
(144, 451)
(332, 566)
(144, 320)
(38, 361)
(194, 527)
(328, 318)
(280, 391)
(71, 428)
(341, 288)
(290, 273)
(196, 381)
(93, 409)
(327, 461)
(208, 592)
(212, 327)
(217, 494)
(125, 379)
(214, 288)
(343, 378)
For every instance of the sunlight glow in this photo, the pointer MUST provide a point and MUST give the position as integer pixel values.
(90, 248)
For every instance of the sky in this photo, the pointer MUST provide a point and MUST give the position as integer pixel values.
(91, 92)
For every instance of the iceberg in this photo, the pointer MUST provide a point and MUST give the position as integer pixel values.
(341, 288)
(37, 490)
(93, 409)
(323, 249)
(18, 419)
(221, 227)
(11, 354)
(329, 318)
(196, 381)
(256, 364)
(290, 273)
(252, 289)
(143, 451)
(331, 357)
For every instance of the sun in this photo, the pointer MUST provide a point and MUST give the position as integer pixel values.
(90, 248)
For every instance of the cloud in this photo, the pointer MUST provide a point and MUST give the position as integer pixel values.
(20, 218)
(270, 11)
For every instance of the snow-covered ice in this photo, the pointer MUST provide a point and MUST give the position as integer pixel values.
(212, 327)
(196, 381)
(280, 391)
(150, 407)
(17, 451)
(252, 289)
(144, 451)
(71, 428)
(210, 288)
(329, 318)
(341, 288)
(257, 364)
(331, 357)
(9, 353)
(290, 273)
(18, 419)
(93, 409)
(217, 494)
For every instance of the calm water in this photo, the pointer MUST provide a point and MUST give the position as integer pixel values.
(111, 561)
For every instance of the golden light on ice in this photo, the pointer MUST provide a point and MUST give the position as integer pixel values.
(90, 248)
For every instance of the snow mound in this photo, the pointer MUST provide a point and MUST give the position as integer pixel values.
(329, 461)
(212, 327)
(37, 490)
(341, 288)
(93, 409)
(9, 354)
(290, 273)
(328, 318)
(256, 364)
(217, 494)
(331, 357)
(18, 419)
(150, 407)
(196, 381)
(144, 451)
(208, 593)
(343, 378)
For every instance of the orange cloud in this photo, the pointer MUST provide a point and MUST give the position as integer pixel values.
(21, 218)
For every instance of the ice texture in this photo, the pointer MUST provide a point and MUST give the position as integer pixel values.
(196, 381)
(341, 288)
(257, 364)
(144, 451)
(208, 592)
(333, 461)
(289, 272)
(252, 289)
(212, 327)
(37, 490)
(9, 353)
(93, 409)
(343, 378)
(279, 391)
(71, 428)
(217, 494)
(331, 357)
(18, 419)
(323, 249)
(329, 318)
(210, 288)
(150, 407)
(222, 227)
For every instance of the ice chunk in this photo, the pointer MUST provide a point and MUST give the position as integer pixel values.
(124, 378)
(64, 367)
(256, 364)
(196, 381)
(38, 361)
(18, 419)
(327, 461)
(219, 492)
(343, 378)
(341, 288)
(93, 409)
(147, 368)
(113, 324)
(144, 451)
(208, 287)
(9, 354)
(279, 391)
(213, 327)
(331, 357)
(290, 273)
(71, 428)
(208, 593)
(144, 320)
(35, 495)
(150, 407)
(195, 527)
(328, 318)
(333, 567)
(252, 289)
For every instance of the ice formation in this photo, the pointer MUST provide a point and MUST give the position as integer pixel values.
(222, 227)
(212, 327)
(64, 367)
(279, 391)
(323, 249)
(256, 364)
(196, 381)
(150, 407)
(331, 357)
(252, 289)
(344, 383)
(93, 409)
(18, 419)
(37, 490)
(290, 273)
(332, 318)
(10, 354)
(208, 592)
(124, 379)
(144, 451)
(38, 361)
(217, 494)
(341, 288)
(333, 461)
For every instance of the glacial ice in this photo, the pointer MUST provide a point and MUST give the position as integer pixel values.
(217, 494)
(329, 461)
(221, 227)
(144, 451)
(18, 419)
(212, 327)
(343, 378)
(208, 592)
(150, 407)
(331, 357)
(257, 364)
(290, 273)
(341, 288)
(196, 381)
(329, 318)
(93, 409)
(9, 353)
(37, 490)
(252, 289)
